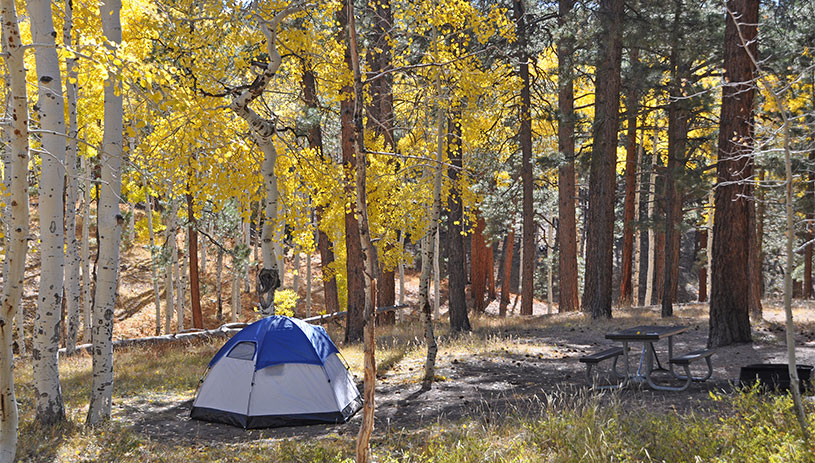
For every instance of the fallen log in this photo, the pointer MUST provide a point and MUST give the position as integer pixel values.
(224, 331)
(331, 316)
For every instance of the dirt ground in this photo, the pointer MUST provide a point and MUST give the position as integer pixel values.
(538, 362)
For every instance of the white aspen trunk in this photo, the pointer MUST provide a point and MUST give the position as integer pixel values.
(236, 293)
(247, 234)
(308, 284)
(435, 212)
(85, 252)
(14, 262)
(181, 293)
(109, 221)
(402, 272)
(635, 285)
(296, 273)
(131, 224)
(170, 273)
(45, 364)
(72, 271)
(549, 284)
(649, 276)
(256, 241)
(264, 131)
(148, 204)
(436, 278)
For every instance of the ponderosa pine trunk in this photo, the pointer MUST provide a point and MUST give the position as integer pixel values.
(678, 114)
(729, 294)
(602, 172)
(354, 267)
(527, 168)
(72, 265)
(109, 226)
(632, 106)
(567, 228)
(457, 279)
(47, 325)
(380, 119)
(315, 141)
(509, 244)
(478, 277)
(14, 261)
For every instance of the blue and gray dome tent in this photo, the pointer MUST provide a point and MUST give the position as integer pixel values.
(278, 371)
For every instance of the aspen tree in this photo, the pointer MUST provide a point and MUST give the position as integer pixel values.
(14, 262)
(148, 202)
(50, 409)
(109, 221)
(72, 266)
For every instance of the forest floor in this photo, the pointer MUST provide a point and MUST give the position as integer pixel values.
(507, 370)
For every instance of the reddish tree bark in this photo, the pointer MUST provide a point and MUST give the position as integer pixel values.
(457, 280)
(489, 268)
(528, 217)
(602, 171)
(355, 318)
(324, 245)
(626, 270)
(567, 228)
(509, 245)
(729, 298)
(478, 269)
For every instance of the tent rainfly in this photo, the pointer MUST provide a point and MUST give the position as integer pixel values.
(278, 371)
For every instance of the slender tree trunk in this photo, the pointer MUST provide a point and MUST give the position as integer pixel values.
(110, 229)
(236, 292)
(602, 173)
(436, 276)
(702, 234)
(71, 281)
(195, 295)
(760, 208)
(171, 273)
(48, 392)
(219, 268)
(459, 321)
(631, 163)
(509, 244)
(401, 271)
(659, 266)
(14, 261)
(527, 169)
(148, 202)
(567, 228)
(181, 288)
(369, 256)
(477, 274)
(246, 228)
(729, 294)
(637, 273)
(308, 285)
(754, 272)
(709, 251)
(85, 252)
(650, 199)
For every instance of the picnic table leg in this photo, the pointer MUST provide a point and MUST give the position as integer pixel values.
(650, 380)
(627, 376)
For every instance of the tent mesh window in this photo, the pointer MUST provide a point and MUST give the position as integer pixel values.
(243, 351)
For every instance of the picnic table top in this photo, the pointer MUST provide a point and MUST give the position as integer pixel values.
(646, 333)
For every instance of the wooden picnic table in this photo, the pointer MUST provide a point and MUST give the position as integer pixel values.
(647, 335)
